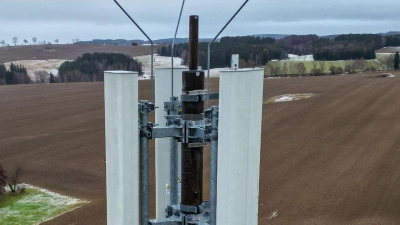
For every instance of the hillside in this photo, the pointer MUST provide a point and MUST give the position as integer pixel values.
(68, 52)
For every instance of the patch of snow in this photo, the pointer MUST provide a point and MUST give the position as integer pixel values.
(387, 75)
(159, 62)
(385, 53)
(145, 77)
(165, 62)
(289, 97)
(273, 215)
(285, 98)
(293, 57)
(55, 200)
(215, 72)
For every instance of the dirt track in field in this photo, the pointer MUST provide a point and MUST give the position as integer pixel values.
(70, 52)
(330, 159)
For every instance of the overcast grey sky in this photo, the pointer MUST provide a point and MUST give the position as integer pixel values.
(102, 19)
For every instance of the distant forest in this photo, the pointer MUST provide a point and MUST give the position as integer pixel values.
(257, 51)
(91, 67)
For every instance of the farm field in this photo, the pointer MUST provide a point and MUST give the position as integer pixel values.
(309, 65)
(65, 52)
(383, 55)
(330, 159)
(36, 58)
(388, 50)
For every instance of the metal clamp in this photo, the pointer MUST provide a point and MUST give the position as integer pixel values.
(196, 133)
(146, 106)
(173, 107)
(198, 96)
(181, 214)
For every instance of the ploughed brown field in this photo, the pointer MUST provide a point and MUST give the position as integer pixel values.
(330, 159)
(70, 52)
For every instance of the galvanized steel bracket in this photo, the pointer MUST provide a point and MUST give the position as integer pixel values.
(184, 215)
(196, 133)
(173, 107)
(198, 96)
(146, 106)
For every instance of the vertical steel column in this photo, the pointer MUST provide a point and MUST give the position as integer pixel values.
(214, 165)
(173, 166)
(173, 198)
(144, 162)
(193, 42)
(192, 158)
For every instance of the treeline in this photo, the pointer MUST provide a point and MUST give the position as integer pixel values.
(253, 51)
(91, 67)
(257, 51)
(16, 74)
(319, 68)
(298, 44)
(393, 40)
(249, 40)
(352, 46)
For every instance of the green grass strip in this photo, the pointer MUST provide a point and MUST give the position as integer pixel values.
(35, 206)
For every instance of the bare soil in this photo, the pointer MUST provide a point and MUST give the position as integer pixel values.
(70, 52)
(330, 159)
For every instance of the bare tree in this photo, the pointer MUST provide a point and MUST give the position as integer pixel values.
(34, 39)
(389, 61)
(362, 64)
(292, 68)
(274, 68)
(285, 68)
(75, 40)
(3, 179)
(2, 43)
(301, 68)
(15, 40)
(56, 41)
(322, 66)
(14, 187)
(41, 77)
(315, 70)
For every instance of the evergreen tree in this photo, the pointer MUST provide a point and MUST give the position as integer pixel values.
(51, 80)
(396, 61)
(3, 71)
(9, 77)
